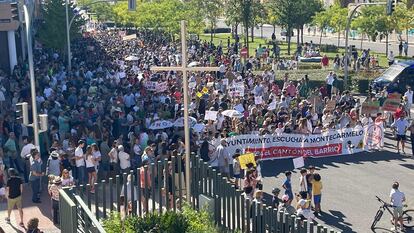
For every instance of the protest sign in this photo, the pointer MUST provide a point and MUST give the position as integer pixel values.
(161, 87)
(151, 86)
(225, 82)
(245, 159)
(198, 127)
(205, 90)
(237, 89)
(392, 102)
(199, 94)
(258, 100)
(272, 106)
(298, 162)
(370, 107)
(211, 115)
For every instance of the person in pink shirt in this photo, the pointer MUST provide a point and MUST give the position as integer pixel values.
(291, 89)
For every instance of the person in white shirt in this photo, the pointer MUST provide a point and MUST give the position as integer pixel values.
(113, 159)
(25, 155)
(124, 160)
(302, 181)
(329, 82)
(90, 167)
(80, 162)
(397, 199)
(409, 95)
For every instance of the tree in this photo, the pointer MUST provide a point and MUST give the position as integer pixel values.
(52, 31)
(321, 20)
(307, 9)
(338, 18)
(270, 5)
(232, 13)
(258, 17)
(287, 13)
(211, 10)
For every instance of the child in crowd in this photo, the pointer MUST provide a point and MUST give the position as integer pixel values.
(316, 191)
(275, 198)
(236, 168)
(303, 209)
(2, 184)
(287, 185)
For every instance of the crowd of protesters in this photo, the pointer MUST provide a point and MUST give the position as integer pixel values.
(102, 112)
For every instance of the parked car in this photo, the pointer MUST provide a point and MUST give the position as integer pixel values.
(395, 78)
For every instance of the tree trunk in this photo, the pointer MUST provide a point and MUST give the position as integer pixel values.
(406, 34)
(235, 29)
(320, 38)
(386, 45)
(211, 34)
(289, 38)
(246, 37)
(339, 37)
(252, 33)
(274, 29)
(298, 37)
(261, 31)
(301, 35)
(362, 39)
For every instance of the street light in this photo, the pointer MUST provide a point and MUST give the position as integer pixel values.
(69, 25)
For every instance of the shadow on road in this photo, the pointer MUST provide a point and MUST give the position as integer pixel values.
(336, 219)
(273, 168)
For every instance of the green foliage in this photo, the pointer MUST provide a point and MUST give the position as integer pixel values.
(329, 48)
(373, 21)
(113, 224)
(199, 221)
(52, 31)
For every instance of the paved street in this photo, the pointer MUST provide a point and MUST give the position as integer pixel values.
(350, 184)
(331, 39)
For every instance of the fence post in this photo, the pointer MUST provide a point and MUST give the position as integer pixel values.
(248, 215)
(97, 185)
(146, 189)
(125, 194)
(173, 172)
(294, 224)
(319, 228)
(68, 216)
(286, 222)
(88, 195)
(103, 198)
(133, 199)
(118, 192)
(111, 195)
(233, 207)
(167, 176)
(305, 226)
(254, 215)
(228, 200)
(238, 212)
(152, 167)
(210, 175)
(180, 183)
(160, 185)
(242, 211)
(139, 191)
(311, 227)
(280, 225)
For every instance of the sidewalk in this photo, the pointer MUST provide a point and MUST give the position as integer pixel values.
(41, 211)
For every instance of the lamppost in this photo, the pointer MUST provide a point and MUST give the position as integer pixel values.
(69, 25)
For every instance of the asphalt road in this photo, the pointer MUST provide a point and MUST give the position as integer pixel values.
(331, 39)
(350, 184)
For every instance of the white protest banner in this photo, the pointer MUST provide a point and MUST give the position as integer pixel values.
(272, 106)
(268, 147)
(258, 100)
(298, 162)
(130, 37)
(161, 87)
(239, 108)
(151, 86)
(211, 115)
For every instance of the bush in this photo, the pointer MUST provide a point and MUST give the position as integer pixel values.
(199, 221)
(327, 48)
(309, 66)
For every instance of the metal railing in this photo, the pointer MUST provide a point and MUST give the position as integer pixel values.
(159, 187)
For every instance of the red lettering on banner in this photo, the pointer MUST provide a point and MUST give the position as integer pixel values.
(284, 151)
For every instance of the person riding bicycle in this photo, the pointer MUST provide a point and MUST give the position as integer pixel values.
(397, 199)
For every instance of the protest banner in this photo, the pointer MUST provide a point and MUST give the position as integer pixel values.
(340, 142)
(392, 102)
(245, 159)
(370, 108)
(298, 162)
(330, 105)
(211, 115)
(130, 37)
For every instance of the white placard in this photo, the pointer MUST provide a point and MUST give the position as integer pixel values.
(258, 100)
(239, 108)
(198, 127)
(272, 106)
(226, 82)
(211, 115)
(298, 162)
(130, 37)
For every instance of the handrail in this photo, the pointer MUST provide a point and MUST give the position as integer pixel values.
(88, 212)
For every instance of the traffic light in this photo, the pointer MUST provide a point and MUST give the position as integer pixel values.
(22, 113)
(43, 122)
(132, 5)
(390, 6)
(14, 10)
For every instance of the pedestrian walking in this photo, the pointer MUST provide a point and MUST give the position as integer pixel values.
(25, 155)
(317, 192)
(53, 164)
(405, 46)
(391, 58)
(35, 175)
(14, 190)
(400, 49)
(287, 185)
(90, 168)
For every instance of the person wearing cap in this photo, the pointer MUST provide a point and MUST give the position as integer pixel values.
(53, 164)
(285, 206)
(275, 197)
(25, 154)
(14, 190)
(80, 162)
(397, 198)
(54, 195)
